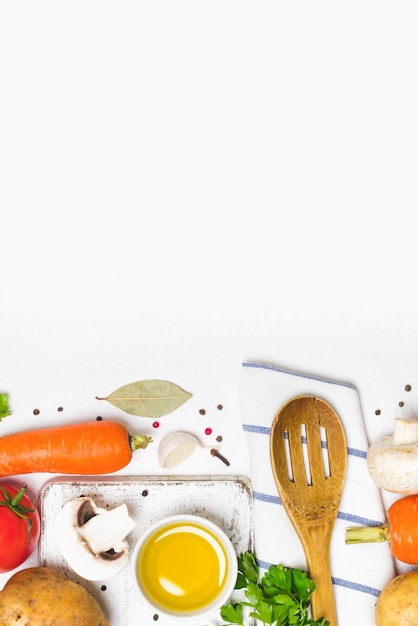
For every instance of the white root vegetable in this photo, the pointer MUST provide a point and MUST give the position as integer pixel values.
(392, 461)
(176, 447)
(92, 539)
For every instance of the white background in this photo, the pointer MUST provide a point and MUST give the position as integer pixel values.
(188, 185)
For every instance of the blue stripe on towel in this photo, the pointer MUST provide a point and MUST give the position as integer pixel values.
(348, 584)
(265, 497)
(263, 366)
(356, 586)
(356, 452)
(347, 517)
(252, 428)
(265, 430)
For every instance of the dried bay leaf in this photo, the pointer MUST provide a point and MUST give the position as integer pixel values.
(148, 398)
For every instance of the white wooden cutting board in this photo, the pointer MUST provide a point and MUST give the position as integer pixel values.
(227, 501)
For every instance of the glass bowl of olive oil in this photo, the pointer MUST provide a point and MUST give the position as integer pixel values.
(185, 567)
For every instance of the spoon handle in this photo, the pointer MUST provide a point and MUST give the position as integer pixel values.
(318, 561)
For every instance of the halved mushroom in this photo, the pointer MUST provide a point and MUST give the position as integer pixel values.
(92, 539)
(392, 460)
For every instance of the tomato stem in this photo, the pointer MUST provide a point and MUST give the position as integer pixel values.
(15, 501)
(16, 507)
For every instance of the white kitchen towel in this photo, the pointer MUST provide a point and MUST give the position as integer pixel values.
(359, 571)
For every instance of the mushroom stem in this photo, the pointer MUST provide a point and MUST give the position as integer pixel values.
(405, 431)
(367, 534)
(107, 530)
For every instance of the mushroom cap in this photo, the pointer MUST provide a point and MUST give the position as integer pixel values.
(394, 467)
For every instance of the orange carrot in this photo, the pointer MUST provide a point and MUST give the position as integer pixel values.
(400, 530)
(98, 447)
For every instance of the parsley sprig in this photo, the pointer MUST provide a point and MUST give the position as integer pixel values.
(281, 597)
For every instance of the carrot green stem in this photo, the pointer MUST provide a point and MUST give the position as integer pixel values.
(139, 441)
(367, 534)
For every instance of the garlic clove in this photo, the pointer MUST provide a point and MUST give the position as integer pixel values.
(176, 447)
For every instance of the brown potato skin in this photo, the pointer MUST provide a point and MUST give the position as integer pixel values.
(40, 596)
(398, 602)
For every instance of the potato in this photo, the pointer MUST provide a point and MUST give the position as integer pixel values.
(398, 602)
(40, 596)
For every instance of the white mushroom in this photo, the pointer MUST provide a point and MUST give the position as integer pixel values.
(392, 461)
(92, 539)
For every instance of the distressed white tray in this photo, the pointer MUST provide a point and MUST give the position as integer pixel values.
(225, 500)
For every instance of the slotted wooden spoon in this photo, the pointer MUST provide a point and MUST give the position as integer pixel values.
(310, 478)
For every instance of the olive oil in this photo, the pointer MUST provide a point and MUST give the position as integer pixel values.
(182, 567)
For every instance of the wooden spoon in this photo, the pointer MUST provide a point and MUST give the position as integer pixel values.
(310, 478)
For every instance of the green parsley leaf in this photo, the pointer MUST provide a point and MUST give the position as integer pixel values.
(263, 612)
(248, 568)
(4, 405)
(254, 594)
(232, 613)
(302, 586)
(278, 577)
(281, 597)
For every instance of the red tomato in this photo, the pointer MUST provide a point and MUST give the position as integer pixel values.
(19, 527)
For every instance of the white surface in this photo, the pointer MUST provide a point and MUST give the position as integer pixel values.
(187, 186)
